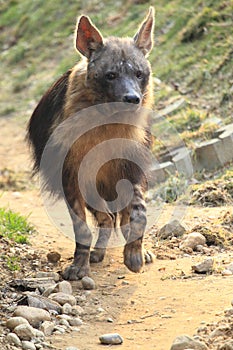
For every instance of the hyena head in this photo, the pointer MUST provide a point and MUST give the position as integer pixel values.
(117, 70)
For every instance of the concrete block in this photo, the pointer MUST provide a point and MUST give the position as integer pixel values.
(160, 172)
(183, 162)
(227, 143)
(209, 155)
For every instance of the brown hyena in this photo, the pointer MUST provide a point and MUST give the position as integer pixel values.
(113, 70)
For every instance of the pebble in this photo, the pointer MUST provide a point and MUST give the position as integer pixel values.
(64, 322)
(53, 257)
(27, 345)
(64, 287)
(71, 348)
(75, 321)
(67, 309)
(111, 339)
(171, 229)
(47, 328)
(185, 342)
(25, 332)
(204, 267)
(33, 315)
(88, 283)
(60, 329)
(54, 275)
(49, 291)
(192, 240)
(12, 338)
(227, 272)
(63, 298)
(77, 310)
(15, 321)
(110, 320)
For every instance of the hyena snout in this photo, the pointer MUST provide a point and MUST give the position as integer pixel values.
(132, 98)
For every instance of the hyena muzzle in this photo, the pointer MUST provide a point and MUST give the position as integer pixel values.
(112, 70)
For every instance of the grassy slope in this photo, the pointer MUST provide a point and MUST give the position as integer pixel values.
(193, 50)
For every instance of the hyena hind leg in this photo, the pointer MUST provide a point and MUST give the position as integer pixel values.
(105, 224)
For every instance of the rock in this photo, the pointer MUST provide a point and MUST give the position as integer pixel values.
(71, 348)
(228, 312)
(53, 257)
(227, 346)
(54, 275)
(226, 272)
(27, 345)
(64, 322)
(41, 302)
(204, 267)
(49, 291)
(60, 329)
(230, 267)
(47, 328)
(15, 321)
(192, 240)
(64, 287)
(111, 339)
(12, 338)
(67, 309)
(185, 342)
(31, 284)
(77, 310)
(25, 332)
(62, 298)
(75, 321)
(171, 229)
(88, 283)
(33, 315)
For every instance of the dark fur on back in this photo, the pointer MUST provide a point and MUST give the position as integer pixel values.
(47, 111)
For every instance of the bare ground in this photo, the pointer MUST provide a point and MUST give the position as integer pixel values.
(148, 309)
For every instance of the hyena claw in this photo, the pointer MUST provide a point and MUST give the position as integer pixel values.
(149, 257)
(74, 272)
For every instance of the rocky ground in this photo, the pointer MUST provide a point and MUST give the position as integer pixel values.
(181, 301)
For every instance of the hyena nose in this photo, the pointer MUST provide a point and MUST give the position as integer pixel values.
(130, 98)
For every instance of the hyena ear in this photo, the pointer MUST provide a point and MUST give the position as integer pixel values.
(87, 38)
(144, 37)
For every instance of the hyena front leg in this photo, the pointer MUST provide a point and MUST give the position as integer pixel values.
(83, 237)
(133, 255)
(105, 224)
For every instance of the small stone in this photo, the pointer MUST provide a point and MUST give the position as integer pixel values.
(71, 348)
(171, 229)
(110, 320)
(47, 328)
(62, 298)
(27, 345)
(15, 321)
(227, 272)
(67, 309)
(53, 257)
(12, 338)
(111, 339)
(64, 287)
(41, 302)
(49, 291)
(54, 275)
(88, 283)
(75, 321)
(192, 240)
(34, 316)
(25, 332)
(204, 267)
(64, 322)
(185, 342)
(77, 310)
(60, 329)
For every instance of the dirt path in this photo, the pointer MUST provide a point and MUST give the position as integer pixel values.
(149, 309)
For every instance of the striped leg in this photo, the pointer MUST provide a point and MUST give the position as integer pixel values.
(83, 237)
(105, 223)
(133, 256)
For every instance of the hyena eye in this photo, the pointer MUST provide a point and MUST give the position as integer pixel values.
(110, 75)
(139, 74)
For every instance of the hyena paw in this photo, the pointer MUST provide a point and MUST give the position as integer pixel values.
(74, 272)
(97, 255)
(133, 257)
(149, 257)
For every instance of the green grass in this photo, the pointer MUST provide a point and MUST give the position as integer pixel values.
(14, 226)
